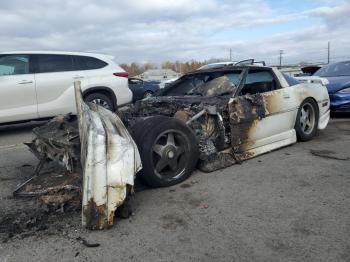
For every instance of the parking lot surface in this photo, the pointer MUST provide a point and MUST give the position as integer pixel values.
(288, 205)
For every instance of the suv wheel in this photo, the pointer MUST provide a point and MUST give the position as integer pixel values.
(101, 100)
(147, 94)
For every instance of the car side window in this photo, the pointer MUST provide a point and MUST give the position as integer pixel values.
(259, 82)
(55, 63)
(290, 80)
(88, 63)
(14, 65)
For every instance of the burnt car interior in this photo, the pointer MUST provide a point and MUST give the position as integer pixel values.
(256, 80)
(190, 84)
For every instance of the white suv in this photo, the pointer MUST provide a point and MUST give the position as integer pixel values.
(36, 85)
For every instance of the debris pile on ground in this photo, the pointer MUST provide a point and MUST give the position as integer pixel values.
(32, 220)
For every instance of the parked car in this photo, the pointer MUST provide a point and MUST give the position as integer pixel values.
(338, 76)
(217, 117)
(210, 119)
(309, 70)
(141, 88)
(39, 84)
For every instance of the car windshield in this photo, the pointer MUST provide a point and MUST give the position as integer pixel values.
(189, 84)
(336, 69)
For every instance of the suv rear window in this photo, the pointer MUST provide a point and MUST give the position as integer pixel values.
(88, 63)
(55, 63)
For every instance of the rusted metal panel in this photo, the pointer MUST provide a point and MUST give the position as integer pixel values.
(109, 159)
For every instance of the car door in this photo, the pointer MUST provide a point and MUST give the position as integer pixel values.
(17, 88)
(55, 76)
(262, 114)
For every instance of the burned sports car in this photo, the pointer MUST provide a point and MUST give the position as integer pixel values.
(215, 118)
(210, 119)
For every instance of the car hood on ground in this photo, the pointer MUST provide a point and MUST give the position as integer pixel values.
(337, 83)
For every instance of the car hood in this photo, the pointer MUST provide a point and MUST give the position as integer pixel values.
(337, 83)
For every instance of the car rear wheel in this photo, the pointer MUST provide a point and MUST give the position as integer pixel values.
(307, 120)
(168, 149)
(101, 100)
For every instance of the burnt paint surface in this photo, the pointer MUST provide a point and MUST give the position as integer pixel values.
(96, 216)
(244, 112)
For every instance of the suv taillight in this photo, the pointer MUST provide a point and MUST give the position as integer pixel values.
(122, 74)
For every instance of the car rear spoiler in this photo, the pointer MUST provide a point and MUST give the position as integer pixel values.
(313, 79)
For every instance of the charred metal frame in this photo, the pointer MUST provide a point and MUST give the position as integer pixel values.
(99, 160)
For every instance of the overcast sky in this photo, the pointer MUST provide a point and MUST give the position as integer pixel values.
(159, 30)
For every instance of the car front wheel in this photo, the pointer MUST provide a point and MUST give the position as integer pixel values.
(168, 149)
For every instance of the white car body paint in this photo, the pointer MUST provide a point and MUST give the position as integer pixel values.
(313, 79)
(276, 129)
(109, 159)
(17, 98)
(40, 95)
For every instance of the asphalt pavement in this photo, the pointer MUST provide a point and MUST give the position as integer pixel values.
(292, 204)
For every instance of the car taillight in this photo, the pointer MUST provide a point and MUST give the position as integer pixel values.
(122, 74)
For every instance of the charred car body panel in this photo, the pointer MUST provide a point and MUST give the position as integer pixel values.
(97, 148)
(109, 159)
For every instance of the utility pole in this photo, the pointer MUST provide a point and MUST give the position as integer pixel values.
(230, 54)
(281, 53)
(328, 52)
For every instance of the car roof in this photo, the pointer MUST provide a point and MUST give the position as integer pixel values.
(58, 53)
(226, 68)
(211, 65)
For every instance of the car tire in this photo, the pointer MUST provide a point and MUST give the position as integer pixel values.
(168, 150)
(307, 120)
(147, 94)
(100, 99)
